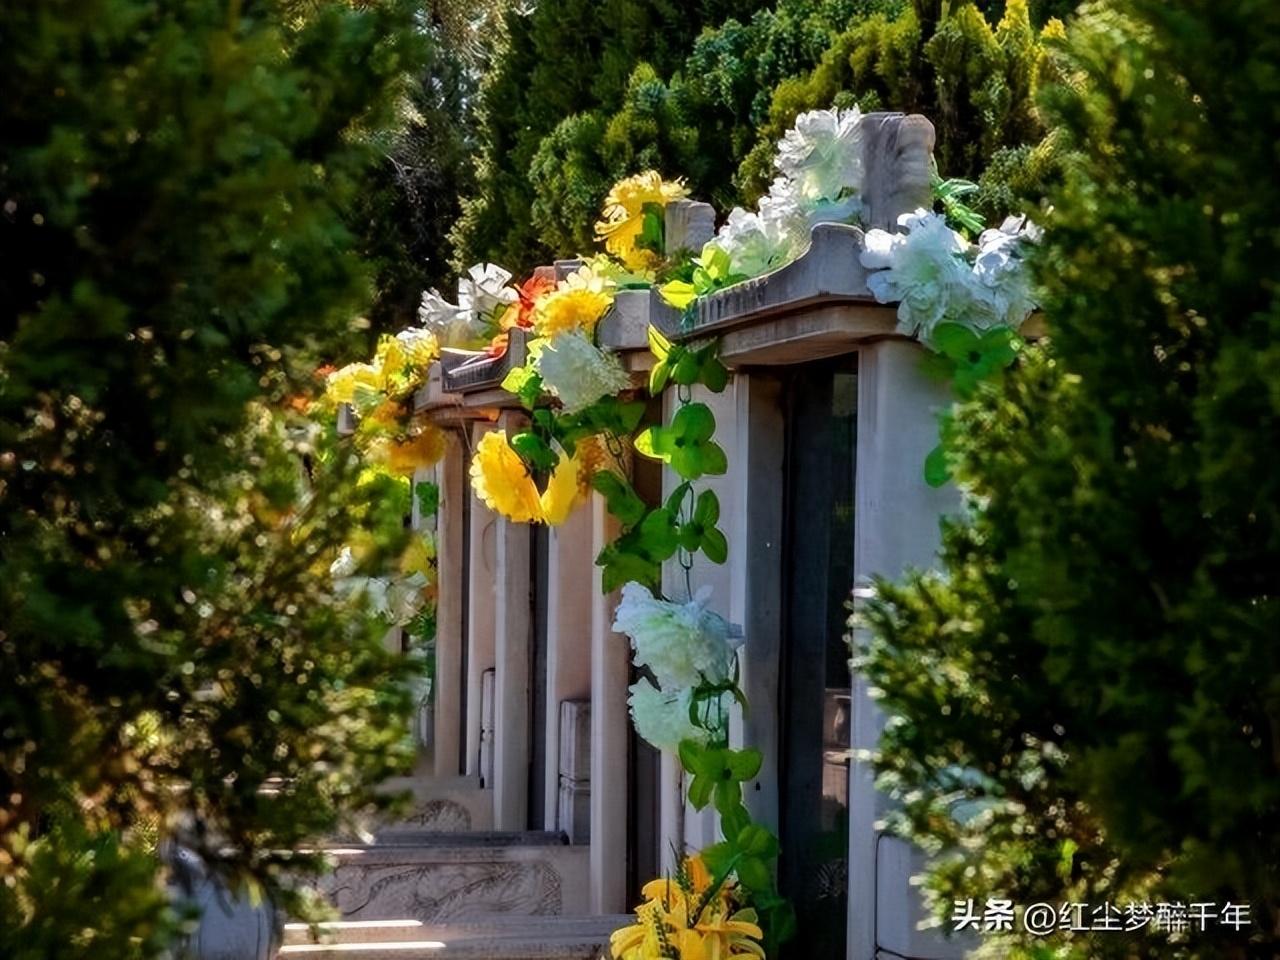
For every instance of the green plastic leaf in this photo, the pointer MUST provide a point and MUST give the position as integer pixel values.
(753, 873)
(694, 422)
(707, 510)
(936, 471)
(686, 370)
(678, 293)
(620, 499)
(659, 345)
(700, 791)
(676, 500)
(734, 819)
(690, 752)
(745, 764)
(657, 534)
(650, 443)
(535, 450)
(525, 383)
(718, 857)
(757, 841)
(715, 375)
(728, 796)
(428, 496)
(714, 545)
(652, 228)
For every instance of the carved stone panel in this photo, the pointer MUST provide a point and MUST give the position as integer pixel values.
(443, 891)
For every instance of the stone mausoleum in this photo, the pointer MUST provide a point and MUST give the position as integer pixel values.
(538, 813)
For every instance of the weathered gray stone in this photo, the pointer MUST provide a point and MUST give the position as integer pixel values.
(687, 226)
(563, 268)
(469, 371)
(488, 695)
(347, 420)
(443, 882)
(573, 814)
(626, 325)
(897, 153)
(827, 272)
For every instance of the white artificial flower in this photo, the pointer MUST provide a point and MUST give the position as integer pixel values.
(482, 294)
(344, 566)
(396, 600)
(821, 155)
(924, 270)
(447, 321)
(404, 598)
(485, 289)
(682, 644)
(661, 717)
(1001, 273)
(578, 372)
(757, 244)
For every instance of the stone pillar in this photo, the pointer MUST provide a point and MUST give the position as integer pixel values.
(482, 574)
(688, 225)
(896, 164)
(610, 673)
(574, 799)
(450, 568)
(897, 527)
(488, 733)
(754, 531)
(571, 577)
(513, 634)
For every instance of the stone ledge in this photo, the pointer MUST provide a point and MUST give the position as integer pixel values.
(827, 272)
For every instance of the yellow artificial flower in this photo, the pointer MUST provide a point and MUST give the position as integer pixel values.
(500, 479)
(623, 215)
(424, 449)
(570, 484)
(664, 929)
(577, 303)
(356, 383)
(420, 557)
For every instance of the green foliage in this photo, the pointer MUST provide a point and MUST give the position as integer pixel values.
(977, 84)
(1087, 705)
(84, 895)
(595, 67)
(405, 213)
(175, 249)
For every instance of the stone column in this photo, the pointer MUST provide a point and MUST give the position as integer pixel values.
(573, 802)
(897, 527)
(482, 573)
(572, 577)
(513, 629)
(754, 531)
(610, 673)
(450, 568)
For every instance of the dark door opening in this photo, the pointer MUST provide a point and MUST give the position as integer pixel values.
(539, 542)
(821, 432)
(642, 759)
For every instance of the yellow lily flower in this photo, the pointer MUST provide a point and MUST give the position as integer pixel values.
(623, 215)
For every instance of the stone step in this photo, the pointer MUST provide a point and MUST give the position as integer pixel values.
(490, 938)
